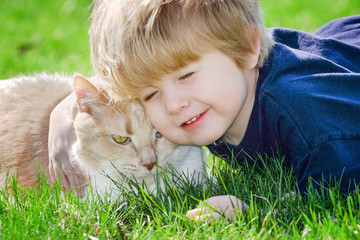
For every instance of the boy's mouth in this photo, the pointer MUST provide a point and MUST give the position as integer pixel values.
(191, 120)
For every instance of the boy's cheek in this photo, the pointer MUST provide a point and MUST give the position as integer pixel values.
(155, 115)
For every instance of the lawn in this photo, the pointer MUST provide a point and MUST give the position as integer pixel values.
(51, 36)
(40, 35)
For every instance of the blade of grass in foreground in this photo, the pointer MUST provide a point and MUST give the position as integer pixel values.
(44, 212)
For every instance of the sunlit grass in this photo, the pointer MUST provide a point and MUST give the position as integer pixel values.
(45, 212)
(306, 15)
(39, 35)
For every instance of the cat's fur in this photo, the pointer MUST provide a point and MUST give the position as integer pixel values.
(26, 103)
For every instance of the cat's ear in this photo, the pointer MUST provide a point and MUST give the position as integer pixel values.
(87, 94)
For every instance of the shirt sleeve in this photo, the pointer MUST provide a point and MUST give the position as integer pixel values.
(346, 29)
(332, 163)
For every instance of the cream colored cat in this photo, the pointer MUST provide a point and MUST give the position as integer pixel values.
(109, 134)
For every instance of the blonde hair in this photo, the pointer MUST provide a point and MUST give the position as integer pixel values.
(134, 42)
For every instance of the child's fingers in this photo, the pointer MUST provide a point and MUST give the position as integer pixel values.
(208, 217)
(202, 214)
(193, 213)
(218, 207)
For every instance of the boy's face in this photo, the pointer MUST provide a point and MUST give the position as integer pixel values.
(202, 102)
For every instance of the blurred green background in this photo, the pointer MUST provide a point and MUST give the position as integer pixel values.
(51, 36)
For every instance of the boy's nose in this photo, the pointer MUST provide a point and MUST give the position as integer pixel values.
(176, 101)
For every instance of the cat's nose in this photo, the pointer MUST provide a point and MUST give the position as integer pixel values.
(149, 165)
(148, 158)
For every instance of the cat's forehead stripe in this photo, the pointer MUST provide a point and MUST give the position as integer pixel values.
(128, 127)
(125, 110)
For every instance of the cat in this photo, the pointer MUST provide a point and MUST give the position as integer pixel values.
(111, 136)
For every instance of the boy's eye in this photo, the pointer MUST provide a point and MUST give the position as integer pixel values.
(148, 97)
(186, 76)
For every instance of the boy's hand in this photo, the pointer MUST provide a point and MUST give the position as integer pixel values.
(61, 139)
(217, 207)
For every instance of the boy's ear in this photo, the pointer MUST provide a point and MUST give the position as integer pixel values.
(253, 58)
(86, 94)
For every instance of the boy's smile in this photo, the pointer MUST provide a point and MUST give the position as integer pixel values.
(206, 100)
(193, 122)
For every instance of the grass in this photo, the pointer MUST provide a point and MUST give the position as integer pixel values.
(39, 35)
(45, 213)
(306, 15)
(51, 36)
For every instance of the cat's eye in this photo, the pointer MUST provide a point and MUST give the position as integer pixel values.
(158, 135)
(120, 139)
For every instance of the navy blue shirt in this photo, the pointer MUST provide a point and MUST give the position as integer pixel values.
(308, 105)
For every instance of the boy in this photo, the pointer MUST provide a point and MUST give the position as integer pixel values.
(208, 73)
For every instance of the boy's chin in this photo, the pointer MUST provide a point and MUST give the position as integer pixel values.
(203, 141)
(198, 140)
(191, 142)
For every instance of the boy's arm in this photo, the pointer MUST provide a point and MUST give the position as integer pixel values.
(61, 139)
(334, 163)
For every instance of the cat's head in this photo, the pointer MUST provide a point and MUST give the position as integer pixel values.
(115, 134)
